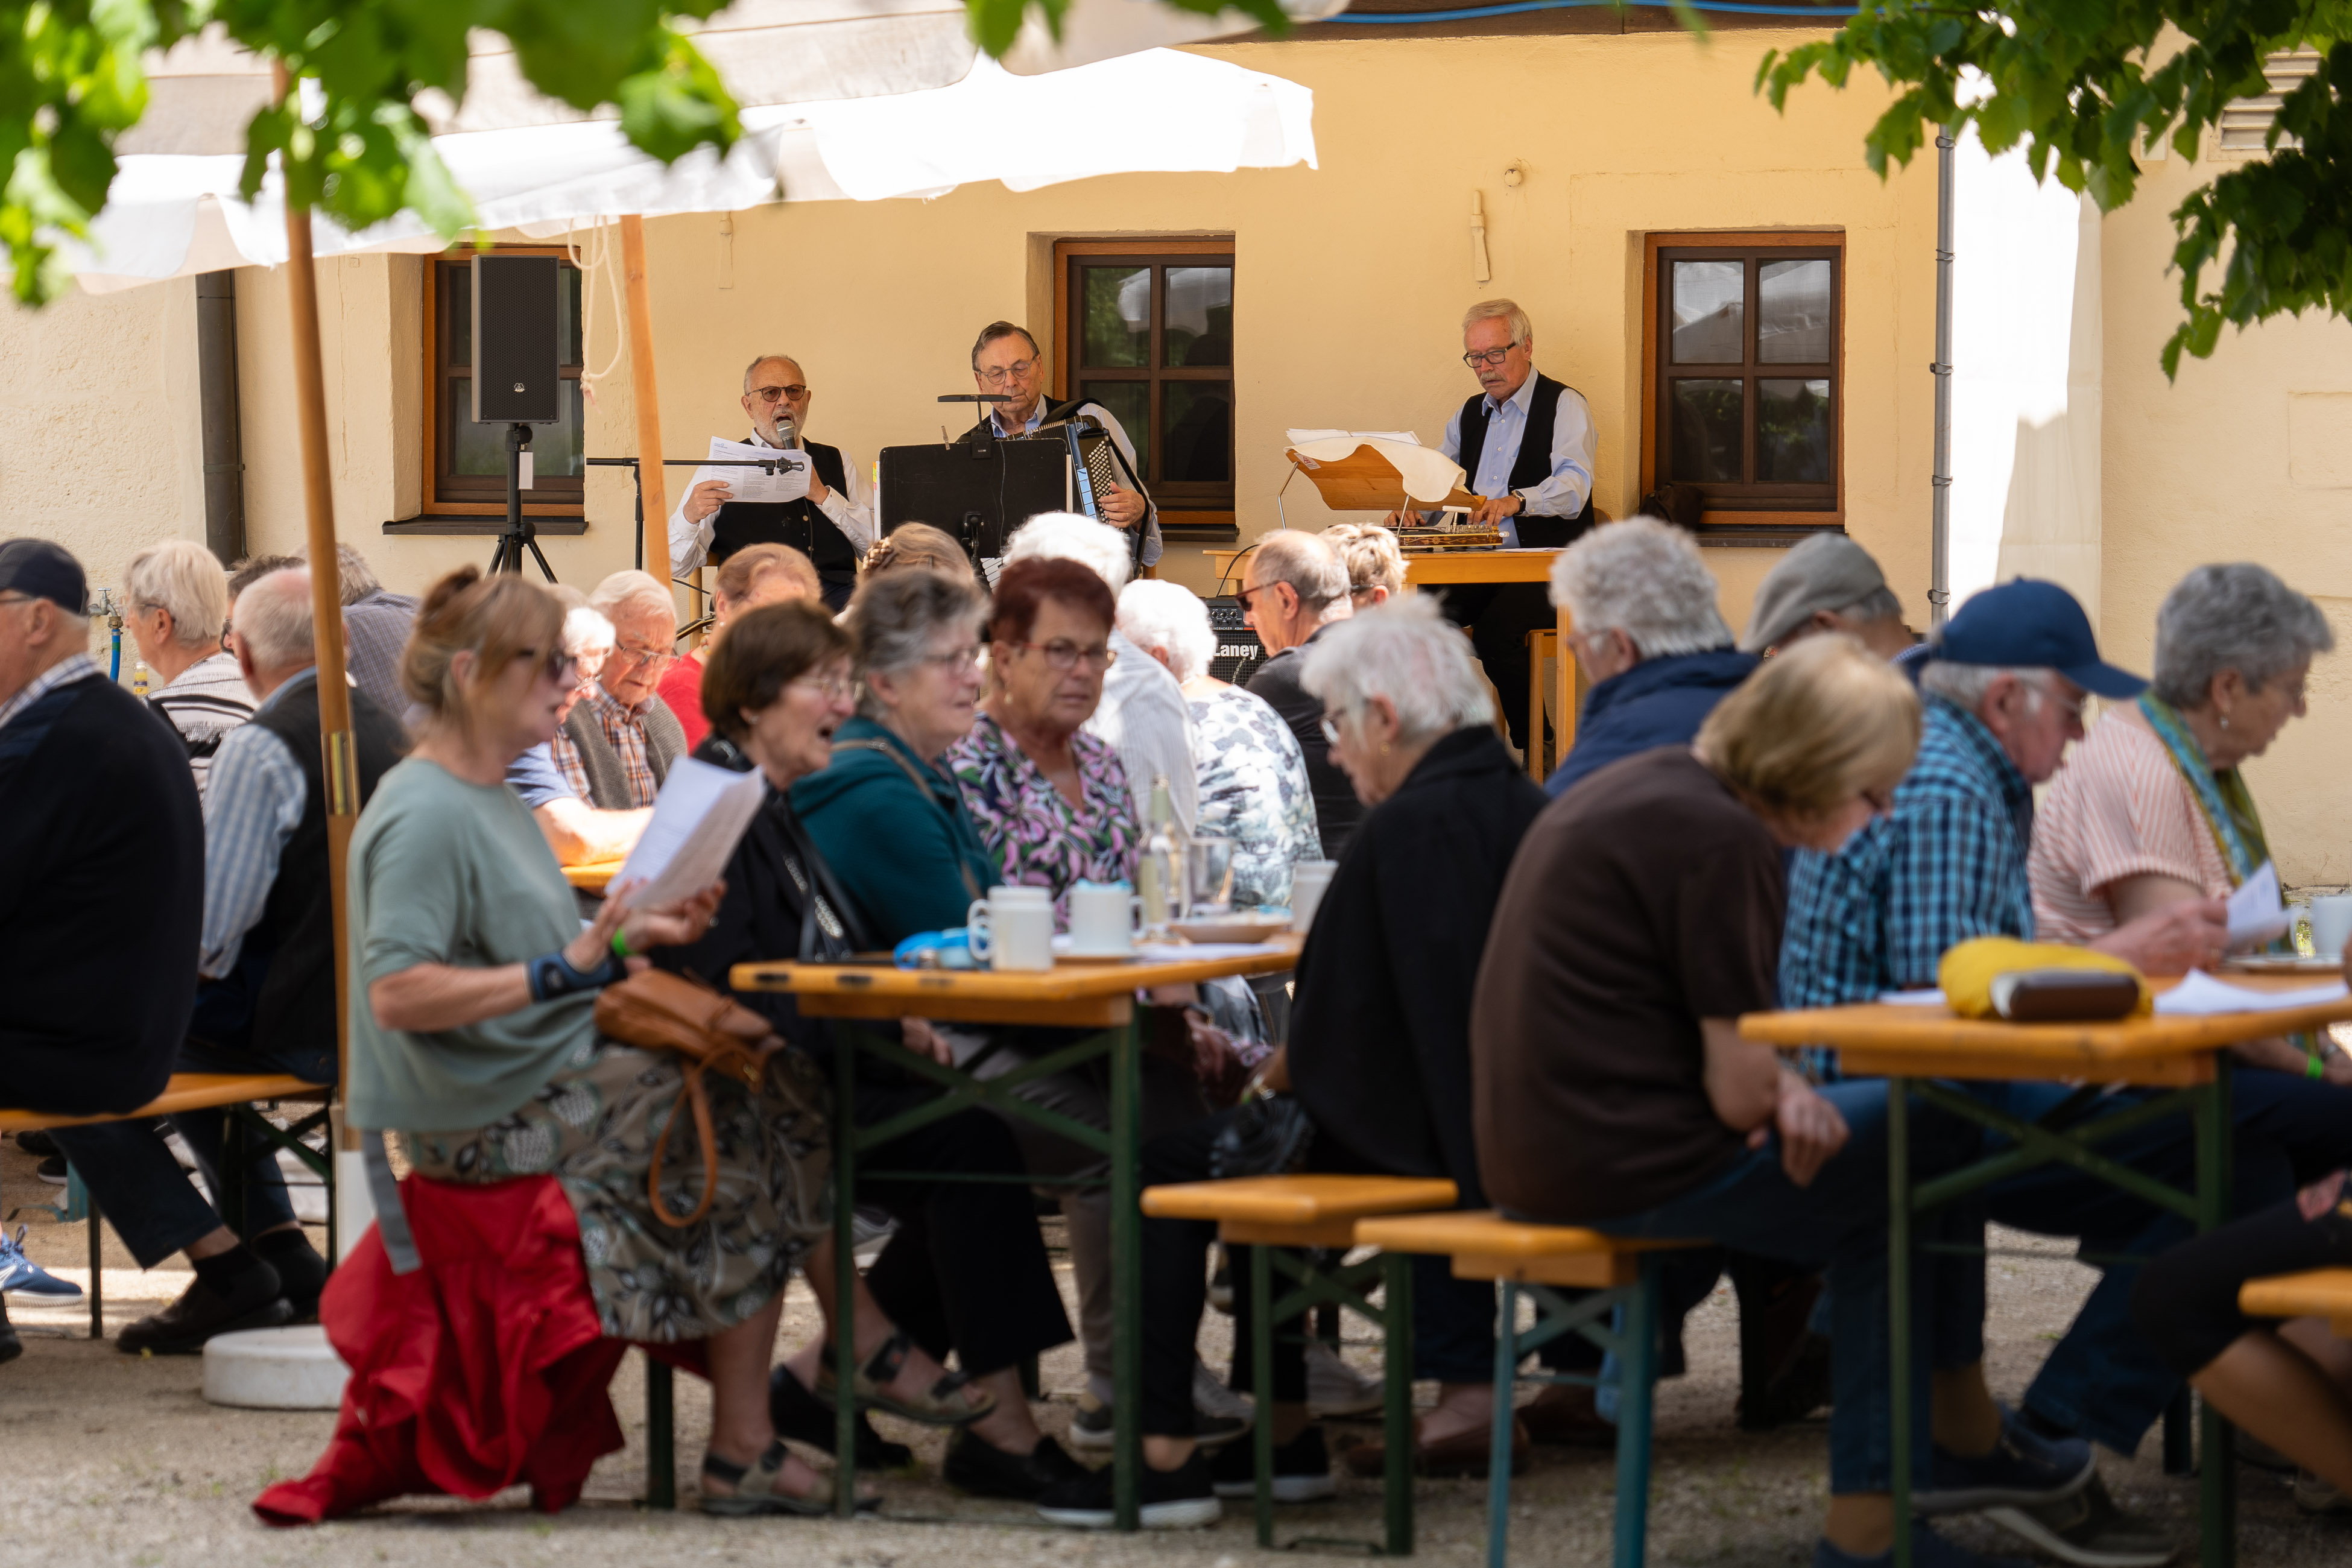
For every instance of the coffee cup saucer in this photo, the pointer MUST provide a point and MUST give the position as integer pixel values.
(1065, 952)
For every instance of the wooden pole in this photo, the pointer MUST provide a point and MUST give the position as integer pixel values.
(650, 473)
(326, 605)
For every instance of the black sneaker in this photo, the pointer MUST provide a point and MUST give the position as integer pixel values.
(1181, 1499)
(37, 1143)
(796, 1413)
(2024, 1469)
(975, 1465)
(1302, 1469)
(52, 1170)
(2089, 1530)
(1091, 1429)
(182, 1328)
(302, 1272)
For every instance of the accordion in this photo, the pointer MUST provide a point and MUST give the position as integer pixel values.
(1092, 473)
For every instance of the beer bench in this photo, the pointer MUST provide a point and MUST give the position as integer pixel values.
(2316, 1293)
(235, 1095)
(1527, 1258)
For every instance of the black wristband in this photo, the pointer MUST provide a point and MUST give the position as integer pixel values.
(552, 974)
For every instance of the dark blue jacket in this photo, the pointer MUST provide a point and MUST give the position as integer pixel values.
(1658, 702)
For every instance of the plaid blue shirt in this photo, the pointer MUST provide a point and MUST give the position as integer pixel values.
(1947, 865)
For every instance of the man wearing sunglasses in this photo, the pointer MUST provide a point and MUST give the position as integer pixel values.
(833, 527)
(1006, 364)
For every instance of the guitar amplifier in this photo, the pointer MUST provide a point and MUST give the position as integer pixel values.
(1238, 654)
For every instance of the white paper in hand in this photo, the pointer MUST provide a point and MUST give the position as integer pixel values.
(2256, 913)
(789, 482)
(2198, 995)
(698, 818)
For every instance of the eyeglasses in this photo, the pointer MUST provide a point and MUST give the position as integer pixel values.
(561, 666)
(955, 662)
(1064, 656)
(1486, 358)
(833, 689)
(1331, 729)
(997, 375)
(1242, 597)
(778, 394)
(630, 654)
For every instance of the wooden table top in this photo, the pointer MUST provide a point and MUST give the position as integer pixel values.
(1887, 1039)
(2317, 1293)
(185, 1091)
(595, 877)
(1068, 994)
(1452, 565)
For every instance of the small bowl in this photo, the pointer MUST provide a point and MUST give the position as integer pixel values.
(1242, 926)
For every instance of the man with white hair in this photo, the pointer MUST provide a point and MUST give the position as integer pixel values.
(1649, 639)
(176, 604)
(266, 1004)
(834, 526)
(616, 746)
(1142, 715)
(1294, 586)
(579, 833)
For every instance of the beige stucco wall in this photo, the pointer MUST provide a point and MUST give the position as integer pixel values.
(2247, 457)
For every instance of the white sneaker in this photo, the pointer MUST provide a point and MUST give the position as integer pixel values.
(2314, 1496)
(1335, 1388)
(1211, 1397)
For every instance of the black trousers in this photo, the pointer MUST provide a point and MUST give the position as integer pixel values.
(2185, 1301)
(967, 1269)
(1500, 615)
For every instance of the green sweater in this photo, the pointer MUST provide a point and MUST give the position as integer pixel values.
(443, 871)
(907, 855)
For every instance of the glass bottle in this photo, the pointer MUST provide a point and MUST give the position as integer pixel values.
(1160, 872)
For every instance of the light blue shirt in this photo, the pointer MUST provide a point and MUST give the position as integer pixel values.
(253, 804)
(1118, 433)
(1566, 488)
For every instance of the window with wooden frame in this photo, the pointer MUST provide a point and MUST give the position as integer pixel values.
(465, 463)
(1146, 329)
(1744, 396)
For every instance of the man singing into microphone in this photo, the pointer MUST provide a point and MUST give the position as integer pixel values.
(1005, 362)
(835, 525)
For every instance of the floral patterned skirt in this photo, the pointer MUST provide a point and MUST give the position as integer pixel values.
(594, 1126)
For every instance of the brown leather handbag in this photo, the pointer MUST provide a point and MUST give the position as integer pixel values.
(659, 1011)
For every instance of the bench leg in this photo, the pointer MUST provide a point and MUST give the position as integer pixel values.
(1396, 1376)
(661, 1453)
(1261, 1288)
(1637, 1375)
(96, 1261)
(2180, 1435)
(1498, 1452)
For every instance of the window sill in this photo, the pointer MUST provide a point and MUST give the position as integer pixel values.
(1776, 534)
(453, 527)
(1202, 527)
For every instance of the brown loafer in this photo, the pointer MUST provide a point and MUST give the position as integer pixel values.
(1563, 1415)
(1465, 1454)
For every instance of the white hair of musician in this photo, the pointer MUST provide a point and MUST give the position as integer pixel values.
(1500, 311)
(1067, 536)
(769, 358)
(622, 589)
(1170, 619)
(1405, 651)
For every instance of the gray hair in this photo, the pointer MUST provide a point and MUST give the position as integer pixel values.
(763, 359)
(897, 617)
(584, 628)
(995, 329)
(273, 617)
(1644, 578)
(2236, 616)
(1879, 604)
(1067, 536)
(1505, 311)
(183, 579)
(1171, 617)
(354, 580)
(622, 589)
(1402, 651)
(1966, 684)
(1305, 561)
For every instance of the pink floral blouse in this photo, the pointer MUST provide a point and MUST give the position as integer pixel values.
(1039, 838)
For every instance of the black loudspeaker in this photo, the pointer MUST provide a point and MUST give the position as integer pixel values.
(1239, 654)
(516, 380)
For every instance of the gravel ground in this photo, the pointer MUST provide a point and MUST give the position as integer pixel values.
(117, 1460)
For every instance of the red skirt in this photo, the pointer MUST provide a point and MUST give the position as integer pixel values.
(485, 1368)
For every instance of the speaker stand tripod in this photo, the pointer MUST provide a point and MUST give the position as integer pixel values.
(519, 534)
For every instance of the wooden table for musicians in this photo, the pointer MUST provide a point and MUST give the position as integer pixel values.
(1099, 998)
(1917, 1050)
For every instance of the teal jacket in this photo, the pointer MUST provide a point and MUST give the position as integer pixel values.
(907, 855)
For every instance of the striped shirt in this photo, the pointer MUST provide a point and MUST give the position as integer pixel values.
(73, 668)
(204, 702)
(252, 807)
(2118, 808)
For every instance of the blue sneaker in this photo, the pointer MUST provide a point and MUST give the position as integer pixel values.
(2024, 1469)
(18, 1272)
(1928, 1550)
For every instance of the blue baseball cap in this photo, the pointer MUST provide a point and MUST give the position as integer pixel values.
(40, 570)
(2031, 625)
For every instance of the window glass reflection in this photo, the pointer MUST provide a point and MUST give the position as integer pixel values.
(1710, 305)
(1793, 312)
(1706, 424)
(1793, 431)
(1117, 330)
(1130, 402)
(1198, 327)
(1199, 443)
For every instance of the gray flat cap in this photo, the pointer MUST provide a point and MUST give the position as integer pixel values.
(1826, 572)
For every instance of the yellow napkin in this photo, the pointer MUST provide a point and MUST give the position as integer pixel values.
(1969, 969)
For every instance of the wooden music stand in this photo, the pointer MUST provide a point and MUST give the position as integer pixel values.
(1366, 480)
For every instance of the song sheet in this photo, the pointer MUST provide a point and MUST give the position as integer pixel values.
(698, 818)
(789, 482)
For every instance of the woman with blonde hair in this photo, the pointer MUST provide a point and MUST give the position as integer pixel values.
(1375, 564)
(916, 546)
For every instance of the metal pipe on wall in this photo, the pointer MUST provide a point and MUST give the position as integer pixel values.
(1939, 592)
(221, 438)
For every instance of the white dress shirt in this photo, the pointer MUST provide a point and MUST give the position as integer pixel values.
(1565, 489)
(1118, 433)
(1143, 717)
(853, 513)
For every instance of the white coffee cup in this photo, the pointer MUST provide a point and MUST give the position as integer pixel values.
(1308, 880)
(1013, 929)
(1103, 920)
(2331, 924)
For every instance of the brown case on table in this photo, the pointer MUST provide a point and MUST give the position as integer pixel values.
(2064, 995)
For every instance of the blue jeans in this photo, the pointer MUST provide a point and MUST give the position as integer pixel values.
(1839, 1223)
(143, 1193)
(2103, 1379)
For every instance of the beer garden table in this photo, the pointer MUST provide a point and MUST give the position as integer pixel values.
(1096, 998)
(1924, 1052)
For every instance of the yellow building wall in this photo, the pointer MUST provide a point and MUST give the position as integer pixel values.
(2247, 457)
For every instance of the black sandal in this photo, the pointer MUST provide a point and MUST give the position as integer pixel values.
(755, 1490)
(950, 1402)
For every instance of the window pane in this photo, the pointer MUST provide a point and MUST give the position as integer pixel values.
(1710, 303)
(458, 293)
(1198, 327)
(1199, 444)
(1129, 403)
(1117, 329)
(1793, 312)
(567, 314)
(473, 449)
(556, 449)
(1707, 431)
(1793, 431)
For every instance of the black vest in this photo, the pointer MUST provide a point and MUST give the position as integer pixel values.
(1533, 467)
(296, 1003)
(799, 523)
